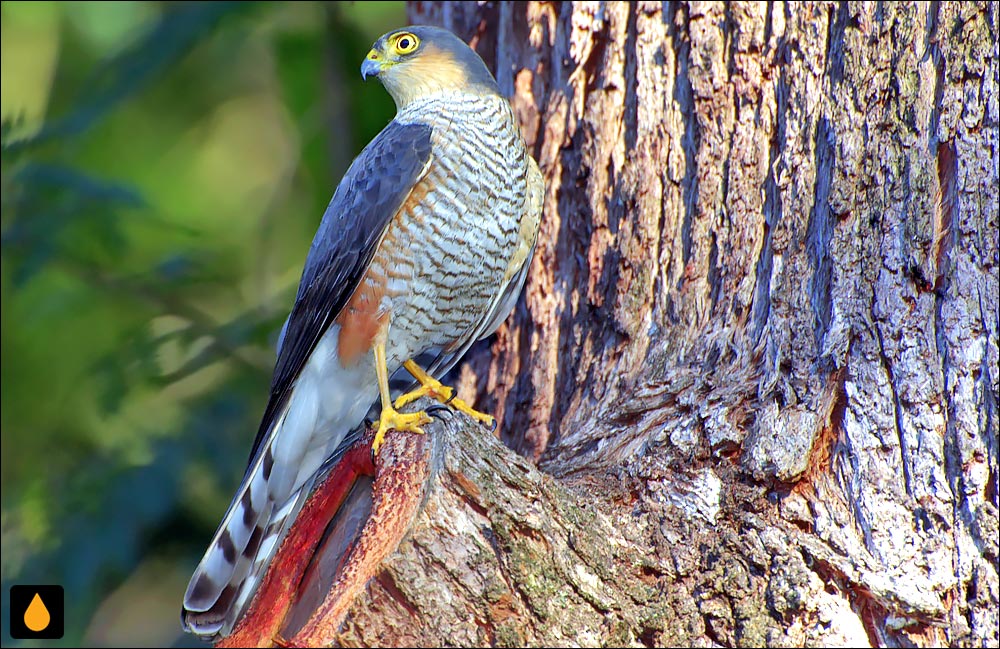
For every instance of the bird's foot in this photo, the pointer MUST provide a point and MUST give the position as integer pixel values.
(391, 419)
(431, 387)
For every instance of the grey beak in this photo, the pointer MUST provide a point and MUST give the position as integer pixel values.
(370, 68)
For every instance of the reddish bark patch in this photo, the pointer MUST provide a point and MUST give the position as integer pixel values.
(277, 593)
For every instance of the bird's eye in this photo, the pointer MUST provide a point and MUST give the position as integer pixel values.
(406, 43)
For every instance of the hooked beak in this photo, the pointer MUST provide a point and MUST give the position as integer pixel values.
(371, 66)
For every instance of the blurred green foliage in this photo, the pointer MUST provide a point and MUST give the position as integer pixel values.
(164, 168)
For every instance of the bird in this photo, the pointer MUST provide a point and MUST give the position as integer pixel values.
(422, 251)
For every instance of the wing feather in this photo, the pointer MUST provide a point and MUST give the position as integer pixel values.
(370, 194)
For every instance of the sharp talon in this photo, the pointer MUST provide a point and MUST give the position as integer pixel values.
(431, 387)
(493, 424)
(436, 408)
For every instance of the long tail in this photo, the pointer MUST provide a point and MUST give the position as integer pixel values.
(320, 421)
(274, 489)
(222, 583)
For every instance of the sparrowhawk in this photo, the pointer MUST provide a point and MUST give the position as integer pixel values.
(422, 251)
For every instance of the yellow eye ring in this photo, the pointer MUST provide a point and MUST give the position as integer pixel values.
(405, 43)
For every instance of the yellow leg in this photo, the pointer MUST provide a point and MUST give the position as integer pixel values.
(390, 418)
(431, 387)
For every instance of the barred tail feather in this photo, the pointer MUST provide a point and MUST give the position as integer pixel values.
(318, 423)
(220, 577)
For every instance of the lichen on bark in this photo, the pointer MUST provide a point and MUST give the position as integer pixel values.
(752, 380)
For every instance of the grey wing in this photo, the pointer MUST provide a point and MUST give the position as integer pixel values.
(442, 361)
(370, 194)
(508, 298)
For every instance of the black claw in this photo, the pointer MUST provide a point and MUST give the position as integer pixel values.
(493, 426)
(454, 393)
(436, 408)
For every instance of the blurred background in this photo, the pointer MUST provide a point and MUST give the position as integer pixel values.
(164, 168)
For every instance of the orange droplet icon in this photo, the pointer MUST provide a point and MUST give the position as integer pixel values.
(37, 617)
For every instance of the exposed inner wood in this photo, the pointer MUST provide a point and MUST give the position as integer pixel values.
(752, 379)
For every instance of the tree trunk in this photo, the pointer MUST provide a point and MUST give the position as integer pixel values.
(753, 377)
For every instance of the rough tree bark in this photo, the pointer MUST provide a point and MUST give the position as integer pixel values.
(753, 378)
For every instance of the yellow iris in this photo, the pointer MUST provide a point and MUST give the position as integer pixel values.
(405, 43)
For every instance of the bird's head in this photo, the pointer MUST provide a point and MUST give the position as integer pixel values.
(418, 60)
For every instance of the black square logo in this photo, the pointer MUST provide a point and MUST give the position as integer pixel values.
(36, 612)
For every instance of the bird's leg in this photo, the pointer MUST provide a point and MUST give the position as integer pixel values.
(390, 418)
(431, 387)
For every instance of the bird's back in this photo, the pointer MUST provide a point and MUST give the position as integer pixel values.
(427, 241)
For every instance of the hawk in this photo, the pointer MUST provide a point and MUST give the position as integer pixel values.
(422, 251)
